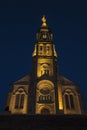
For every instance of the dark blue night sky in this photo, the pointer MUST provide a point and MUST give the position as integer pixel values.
(19, 21)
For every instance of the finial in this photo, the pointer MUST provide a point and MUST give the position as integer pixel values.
(44, 21)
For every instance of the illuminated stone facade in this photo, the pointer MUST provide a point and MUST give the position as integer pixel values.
(44, 91)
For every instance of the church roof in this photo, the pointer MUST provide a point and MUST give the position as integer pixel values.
(25, 79)
(65, 81)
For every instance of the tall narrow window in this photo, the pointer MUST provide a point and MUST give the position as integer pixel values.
(40, 48)
(71, 102)
(47, 48)
(19, 102)
(67, 101)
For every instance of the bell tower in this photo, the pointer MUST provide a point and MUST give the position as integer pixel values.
(45, 71)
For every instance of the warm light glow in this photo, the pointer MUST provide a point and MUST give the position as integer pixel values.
(41, 63)
(43, 83)
(60, 98)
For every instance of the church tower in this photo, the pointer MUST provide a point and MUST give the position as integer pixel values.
(44, 91)
(45, 71)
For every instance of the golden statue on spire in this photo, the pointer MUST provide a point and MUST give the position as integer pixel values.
(44, 21)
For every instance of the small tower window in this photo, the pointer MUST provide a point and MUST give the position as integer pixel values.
(44, 36)
(40, 48)
(46, 72)
(47, 48)
(45, 69)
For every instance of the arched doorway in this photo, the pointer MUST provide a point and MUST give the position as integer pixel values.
(45, 111)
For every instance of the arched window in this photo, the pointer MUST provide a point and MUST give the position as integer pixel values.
(69, 100)
(19, 101)
(45, 69)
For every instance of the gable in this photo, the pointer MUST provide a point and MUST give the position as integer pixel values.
(65, 81)
(25, 79)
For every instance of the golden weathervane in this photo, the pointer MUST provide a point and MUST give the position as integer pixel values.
(44, 21)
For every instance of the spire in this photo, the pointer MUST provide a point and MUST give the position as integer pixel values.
(44, 24)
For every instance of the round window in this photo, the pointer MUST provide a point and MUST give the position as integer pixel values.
(45, 91)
